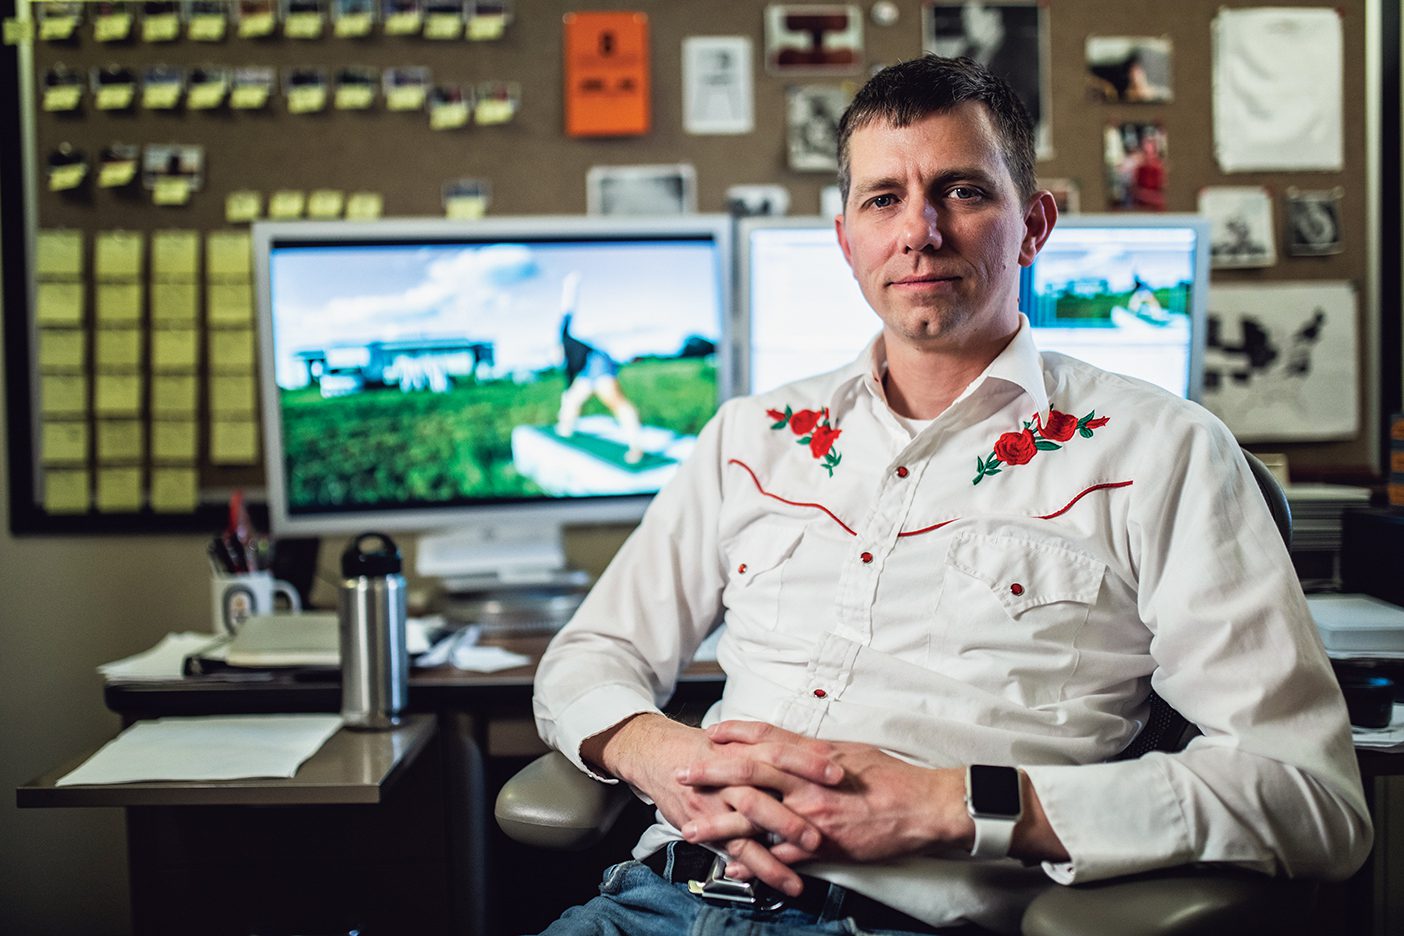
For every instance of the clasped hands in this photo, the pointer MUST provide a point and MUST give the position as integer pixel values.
(772, 799)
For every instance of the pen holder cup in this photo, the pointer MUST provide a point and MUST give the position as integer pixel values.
(235, 598)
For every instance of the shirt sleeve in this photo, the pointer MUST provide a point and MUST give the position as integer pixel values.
(1273, 784)
(621, 653)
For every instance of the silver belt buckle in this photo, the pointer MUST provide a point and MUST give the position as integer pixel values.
(722, 889)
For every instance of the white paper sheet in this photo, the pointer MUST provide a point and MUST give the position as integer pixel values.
(1382, 738)
(207, 748)
(163, 661)
(717, 85)
(1278, 89)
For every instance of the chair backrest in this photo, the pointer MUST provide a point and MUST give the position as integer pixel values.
(1166, 729)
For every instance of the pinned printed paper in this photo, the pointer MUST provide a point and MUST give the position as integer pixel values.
(354, 87)
(256, 18)
(160, 21)
(1314, 222)
(208, 87)
(812, 114)
(1010, 39)
(641, 190)
(406, 89)
(364, 206)
(206, 20)
(162, 86)
(449, 107)
(717, 85)
(113, 20)
(1137, 170)
(114, 87)
(118, 255)
(325, 204)
(607, 87)
(496, 102)
(251, 87)
(304, 19)
(1241, 228)
(403, 17)
(813, 39)
(443, 19)
(63, 89)
(306, 89)
(66, 167)
(169, 169)
(1129, 69)
(243, 206)
(466, 199)
(745, 201)
(352, 19)
(488, 19)
(286, 205)
(58, 20)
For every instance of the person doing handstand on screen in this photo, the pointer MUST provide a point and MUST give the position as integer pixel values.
(591, 372)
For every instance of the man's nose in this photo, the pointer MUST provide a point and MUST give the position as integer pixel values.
(920, 227)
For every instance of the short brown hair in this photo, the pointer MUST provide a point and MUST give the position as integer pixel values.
(904, 93)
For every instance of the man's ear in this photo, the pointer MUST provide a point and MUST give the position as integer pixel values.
(1039, 219)
(843, 240)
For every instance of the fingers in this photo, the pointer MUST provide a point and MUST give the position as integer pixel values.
(794, 754)
(754, 813)
(748, 855)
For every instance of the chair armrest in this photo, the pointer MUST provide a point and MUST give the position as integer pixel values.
(1182, 902)
(549, 803)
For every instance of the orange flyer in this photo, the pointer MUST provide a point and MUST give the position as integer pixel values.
(606, 74)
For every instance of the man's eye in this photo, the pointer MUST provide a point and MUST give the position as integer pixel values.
(964, 193)
(883, 201)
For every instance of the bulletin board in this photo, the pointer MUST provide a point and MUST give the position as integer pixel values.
(129, 330)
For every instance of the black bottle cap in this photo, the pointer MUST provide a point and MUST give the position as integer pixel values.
(371, 554)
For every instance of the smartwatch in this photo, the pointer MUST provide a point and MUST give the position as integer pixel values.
(994, 799)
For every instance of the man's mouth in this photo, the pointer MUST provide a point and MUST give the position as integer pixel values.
(923, 279)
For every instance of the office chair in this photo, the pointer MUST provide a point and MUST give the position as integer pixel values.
(551, 804)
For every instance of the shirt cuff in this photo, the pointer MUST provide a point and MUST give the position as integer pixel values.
(1113, 819)
(598, 710)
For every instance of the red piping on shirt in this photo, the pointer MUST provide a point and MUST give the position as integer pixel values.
(935, 526)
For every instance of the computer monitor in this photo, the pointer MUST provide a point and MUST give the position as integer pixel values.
(1126, 292)
(492, 380)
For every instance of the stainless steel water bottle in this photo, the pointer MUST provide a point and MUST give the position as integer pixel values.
(371, 614)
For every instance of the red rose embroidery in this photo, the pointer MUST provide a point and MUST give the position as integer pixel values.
(1097, 423)
(1060, 426)
(777, 415)
(803, 422)
(1015, 448)
(823, 440)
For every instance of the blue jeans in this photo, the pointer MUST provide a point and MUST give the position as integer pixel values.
(634, 901)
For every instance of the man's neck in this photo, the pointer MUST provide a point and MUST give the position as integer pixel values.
(922, 383)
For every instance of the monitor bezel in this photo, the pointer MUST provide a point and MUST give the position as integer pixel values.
(542, 513)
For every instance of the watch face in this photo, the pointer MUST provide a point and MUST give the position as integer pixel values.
(994, 791)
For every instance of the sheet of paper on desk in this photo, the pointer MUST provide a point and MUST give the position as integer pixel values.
(163, 661)
(207, 748)
(1382, 739)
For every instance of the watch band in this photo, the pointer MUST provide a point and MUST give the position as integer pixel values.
(992, 837)
(994, 799)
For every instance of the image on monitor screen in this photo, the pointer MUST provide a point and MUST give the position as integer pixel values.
(423, 369)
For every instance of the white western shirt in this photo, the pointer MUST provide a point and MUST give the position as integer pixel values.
(967, 596)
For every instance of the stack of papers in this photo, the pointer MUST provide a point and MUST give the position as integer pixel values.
(1316, 513)
(163, 661)
(1382, 739)
(1358, 626)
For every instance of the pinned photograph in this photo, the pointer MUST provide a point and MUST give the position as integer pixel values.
(450, 106)
(466, 199)
(1067, 194)
(1314, 222)
(718, 92)
(406, 89)
(160, 20)
(207, 86)
(251, 87)
(184, 161)
(813, 39)
(162, 86)
(496, 102)
(208, 19)
(355, 87)
(306, 88)
(1010, 39)
(1137, 172)
(812, 114)
(641, 190)
(256, 18)
(1241, 228)
(1129, 69)
(488, 19)
(352, 18)
(402, 17)
(744, 201)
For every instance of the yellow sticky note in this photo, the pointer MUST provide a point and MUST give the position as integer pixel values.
(63, 394)
(174, 302)
(325, 204)
(307, 100)
(286, 205)
(443, 26)
(233, 441)
(303, 26)
(58, 303)
(165, 96)
(118, 254)
(243, 206)
(233, 395)
(208, 27)
(174, 440)
(118, 303)
(230, 349)
(163, 27)
(485, 28)
(120, 440)
(174, 490)
(117, 394)
(206, 96)
(117, 349)
(15, 32)
(112, 27)
(57, 28)
(448, 116)
(63, 349)
(62, 98)
(66, 491)
(405, 99)
(230, 303)
(67, 178)
(364, 206)
(228, 253)
(403, 24)
(171, 190)
(249, 97)
(58, 253)
(354, 97)
(63, 442)
(465, 207)
(175, 254)
(118, 490)
(115, 97)
(117, 174)
(174, 349)
(254, 25)
(488, 113)
(353, 25)
(173, 394)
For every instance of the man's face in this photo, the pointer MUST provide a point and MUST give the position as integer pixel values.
(935, 230)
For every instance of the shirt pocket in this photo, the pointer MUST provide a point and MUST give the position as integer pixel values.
(755, 562)
(1009, 615)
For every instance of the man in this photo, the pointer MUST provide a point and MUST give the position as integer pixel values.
(955, 551)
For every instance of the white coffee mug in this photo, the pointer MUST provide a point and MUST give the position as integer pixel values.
(233, 598)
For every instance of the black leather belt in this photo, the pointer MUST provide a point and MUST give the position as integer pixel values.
(694, 864)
